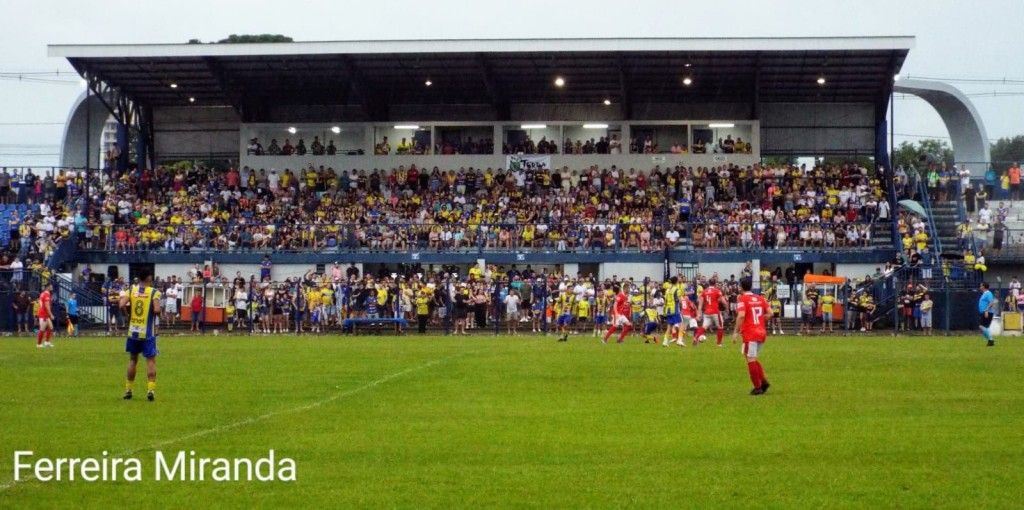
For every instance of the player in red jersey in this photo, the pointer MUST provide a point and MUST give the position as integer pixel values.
(620, 315)
(711, 304)
(752, 314)
(45, 316)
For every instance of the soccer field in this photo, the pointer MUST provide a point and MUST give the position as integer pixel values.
(485, 421)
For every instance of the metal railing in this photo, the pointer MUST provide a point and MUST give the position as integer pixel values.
(469, 237)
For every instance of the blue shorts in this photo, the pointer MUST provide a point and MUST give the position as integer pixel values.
(673, 319)
(650, 327)
(600, 319)
(565, 319)
(145, 347)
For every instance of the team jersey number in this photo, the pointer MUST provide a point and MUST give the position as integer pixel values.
(756, 313)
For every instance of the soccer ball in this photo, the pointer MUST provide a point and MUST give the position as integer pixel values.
(702, 338)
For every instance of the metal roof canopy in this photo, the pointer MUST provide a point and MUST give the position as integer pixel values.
(377, 74)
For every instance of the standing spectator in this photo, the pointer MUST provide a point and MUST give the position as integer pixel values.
(1014, 174)
(512, 312)
(197, 311)
(22, 312)
(926, 314)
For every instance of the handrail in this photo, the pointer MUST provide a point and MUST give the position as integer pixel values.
(601, 236)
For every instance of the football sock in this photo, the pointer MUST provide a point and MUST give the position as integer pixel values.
(698, 334)
(610, 332)
(39, 337)
(49, 335)
(625, 331)
(755, 375)
(760, 371)
(987, 334)
(720, 333)
(128, 385)
(150, 385)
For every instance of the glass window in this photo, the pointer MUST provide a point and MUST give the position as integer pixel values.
(722, 138)
(401, 139)
(659, 139)
(530, 138)
(464, 140)
(592, 138)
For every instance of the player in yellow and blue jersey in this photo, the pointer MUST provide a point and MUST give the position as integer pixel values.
(143, 303)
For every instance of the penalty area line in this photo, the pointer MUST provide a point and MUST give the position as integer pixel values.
(265, 416)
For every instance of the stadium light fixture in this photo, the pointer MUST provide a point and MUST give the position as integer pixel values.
(559, 81)
(595, 126)
(335, 129)
(428, 83)
(292, 130)
(191, 99)
(821, 80)
(406, 126)
(687, 81)
(607, 102)
(687, 64)
(174, 85)
(722, 125)
(533, 126)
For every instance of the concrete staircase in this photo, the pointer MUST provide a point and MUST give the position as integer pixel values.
(946, 220)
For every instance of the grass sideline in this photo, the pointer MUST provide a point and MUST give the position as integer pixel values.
(499, 421)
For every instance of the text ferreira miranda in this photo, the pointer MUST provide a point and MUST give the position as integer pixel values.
(180, 466)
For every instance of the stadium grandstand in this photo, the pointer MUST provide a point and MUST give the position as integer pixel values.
(243, 175)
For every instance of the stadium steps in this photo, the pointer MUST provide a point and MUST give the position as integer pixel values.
(946, 219)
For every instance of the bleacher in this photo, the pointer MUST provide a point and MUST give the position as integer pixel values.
(7, 211)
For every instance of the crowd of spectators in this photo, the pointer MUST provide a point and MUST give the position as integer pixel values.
(561, 210)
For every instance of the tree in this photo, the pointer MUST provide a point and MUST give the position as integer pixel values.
(257, 38)
(1006, 151)
(249, 38)
(926, 152)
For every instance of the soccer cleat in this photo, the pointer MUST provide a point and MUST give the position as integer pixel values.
(127, 395)
(150, 396)
(565, 338)
(765, 386)
(48, 344)
(757, 391)
(39, 346)
(991, 343)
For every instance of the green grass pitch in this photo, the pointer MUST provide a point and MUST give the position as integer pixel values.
(446, 422)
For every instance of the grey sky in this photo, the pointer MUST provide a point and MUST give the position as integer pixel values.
(955, 39)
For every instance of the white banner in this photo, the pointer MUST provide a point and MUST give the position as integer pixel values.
(515, 162)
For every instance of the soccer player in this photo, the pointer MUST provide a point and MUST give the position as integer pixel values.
(600, 311)
(673, 314)
(651, 325)
(620, 316)
(143, 302)
(752, 311)
(582, 312)
(45, 316)
(563, 309)
(986, 305)
(711, 303)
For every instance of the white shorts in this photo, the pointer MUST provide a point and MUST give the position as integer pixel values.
(171, 306)
(689, 322)
(621, 320)
(713, 319)
(752, 349)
